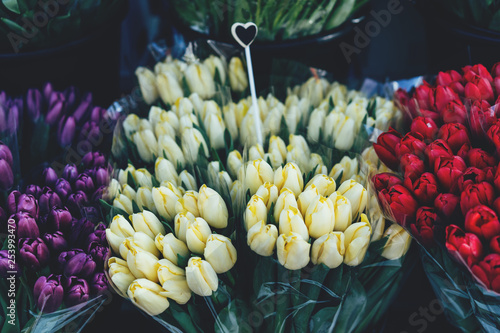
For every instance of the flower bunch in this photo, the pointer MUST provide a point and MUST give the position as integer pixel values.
(43, 124)
(61, 246)
(448, 164)
(173, 79)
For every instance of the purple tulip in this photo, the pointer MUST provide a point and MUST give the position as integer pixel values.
(93, 160)
(77, 291)
(59, 219)
(63, 188)
(97, 114)
(81, 110)
(48, 200)
(98, 236)
(6, 154)
(34, 103)
(70, 173)
(101, 177)
(3, 118)
(55, 109)
(80, 231)
(33, 253)
(98, 194)
(98, 284)
(7, 178)
(8, 266)
(66, 131)
(13, 117)
(76, 201)
(47, 90)
(26, 226)
(50, 176)
(56, 241)
(85, 183)
(49, 293)
(71, 96)
(27, 203)
(98, 252)
(91, 132)
(12, 200)
(34, 190)
(77, 263)
(3, 98)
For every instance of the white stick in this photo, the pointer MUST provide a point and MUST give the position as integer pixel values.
(255, 105)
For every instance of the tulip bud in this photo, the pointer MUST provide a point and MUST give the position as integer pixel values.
(461, 245)
(329, 249)
(212, 208)
(324, 184)
(215, 64)
(197, 234)
(173, 281)
(147, 145)
(98, 284)
(119, 274)
(215, 129)
(143, 178)
(343, 212)
(289, 177)
(147, 84)
(118, 230)
(199, 80)
(112, 190)
(305, 198)
(144, 199)
(169, 148)
(357, 239)
(398, 242)
(201, 277)
(220, 253)
(33, 190)
(188, 203)
(187, 181)
(50, 177)
(59, 219)
(6, 265)
(356, 194)
(293, 251)
(234, 163)
(255, 212)
(142, 264)
(192, 140)
(76, 201)
(66, 131)
(181, 223)
(148, 223)
(165, 199)
(251, 129)
(124, 203)
(76, 262)
(269, 194)
(141, 241)
(77, 291)
(168, 88)
(483, 222)
(26, 226)
(146, 295)
(48, 293)
(165, 171)
(171, 247)
(262, 238)
(129, 192)
(33, 253)
(291, 221)
(55, 242)
(237, 75)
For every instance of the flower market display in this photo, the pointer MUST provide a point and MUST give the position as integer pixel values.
(201, 209)
(445, 190)
(55, 246)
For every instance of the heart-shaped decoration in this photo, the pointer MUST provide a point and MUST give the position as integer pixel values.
(244, 34)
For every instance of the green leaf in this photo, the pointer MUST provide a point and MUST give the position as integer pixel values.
(131, 181)
(135, 207)
(12, 5)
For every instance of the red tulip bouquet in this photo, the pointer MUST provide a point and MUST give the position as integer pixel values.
(446, 184)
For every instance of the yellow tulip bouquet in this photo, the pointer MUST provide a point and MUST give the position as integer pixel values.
(203, 184)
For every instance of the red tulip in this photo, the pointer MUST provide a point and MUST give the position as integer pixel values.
(480, 159)
(475, 195)
(411, 143)
(479, 88)
(444, 95)
(434, 115)
(463, 246)
(495, 71)
(482, 117)
(471, 175)
(446, 204)
(445, 78)
(495, 244)
(496, 85)
(423, 229)
(386, 148)
(412, 166)
(488, 271)
(455, 135)
(426, 127)
(496, 206)
(494, 135)
(497, 179)
(454, 112)
(402, 204)
(401, 99)
(424, 95)
(477, 70)
(448, 170)
(489, 174)
(437, 149)
(483, 222)
(385, 181)
(425, 188)
(463, 151)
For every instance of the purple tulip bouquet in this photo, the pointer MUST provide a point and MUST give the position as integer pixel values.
(58, 248)
(52, 176)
